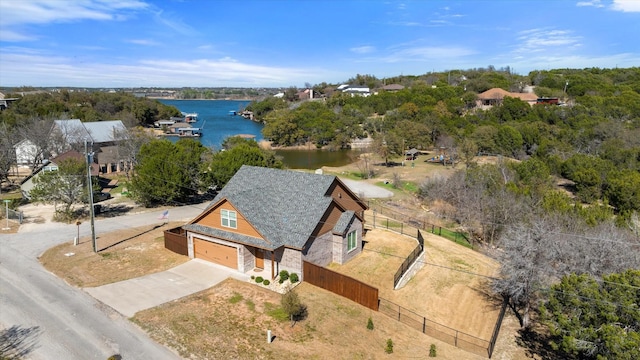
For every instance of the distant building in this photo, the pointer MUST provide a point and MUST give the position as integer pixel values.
(355, 90)
(495, 96)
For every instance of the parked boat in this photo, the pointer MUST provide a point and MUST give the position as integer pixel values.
(233, 113)
(190, 117)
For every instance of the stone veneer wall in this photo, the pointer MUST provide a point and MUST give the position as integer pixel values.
(248, 259)
(340, 243)
(290, 260)
(320, 250)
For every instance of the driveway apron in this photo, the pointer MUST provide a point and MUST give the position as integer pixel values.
(130, 296)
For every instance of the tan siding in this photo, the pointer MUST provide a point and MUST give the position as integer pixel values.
(214, 220)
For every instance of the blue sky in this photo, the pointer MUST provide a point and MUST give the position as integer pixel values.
(264, 43)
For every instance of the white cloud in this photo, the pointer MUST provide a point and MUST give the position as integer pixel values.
(363, 49)
(412, 53)
(540, 40)
(626, 5)
(145, 42)
(13, 36)
(17, 14)
(47, 11)
(21, 68)
(594, 3)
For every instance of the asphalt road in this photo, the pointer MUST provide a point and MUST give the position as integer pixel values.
(54, 320)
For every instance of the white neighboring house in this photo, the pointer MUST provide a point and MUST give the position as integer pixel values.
(355, 90)
(26, 152)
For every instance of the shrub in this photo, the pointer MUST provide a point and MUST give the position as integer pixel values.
(294, 278)
(292, 305)
(370, 324)
(389, 348)
(253, 277)
(266, 282)
(284, 276)
(432, 350)
(259, 279)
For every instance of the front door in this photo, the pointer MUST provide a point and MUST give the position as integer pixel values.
(259, 258)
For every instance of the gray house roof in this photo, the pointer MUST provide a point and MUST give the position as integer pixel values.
(284, 206)
(96, 131)
(104, 131)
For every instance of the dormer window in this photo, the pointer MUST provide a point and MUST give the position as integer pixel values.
(229, 219)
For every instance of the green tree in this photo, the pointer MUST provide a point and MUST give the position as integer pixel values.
(65, 186)
(224, 164)
(160, 176)
(592, 319)
(509, 141)
(293, 306)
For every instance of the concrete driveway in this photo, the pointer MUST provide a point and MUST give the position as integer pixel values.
(367, 190)
(130, 296)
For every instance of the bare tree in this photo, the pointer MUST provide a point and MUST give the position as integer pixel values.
(129, 143)
(539, 252)
(37, 131)
(364, 162)
(7, 152)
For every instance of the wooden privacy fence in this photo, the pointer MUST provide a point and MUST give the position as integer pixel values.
(342, 285)
(176, 240)
(406, 264)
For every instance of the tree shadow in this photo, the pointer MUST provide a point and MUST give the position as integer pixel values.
(131, 237)
(537, 344)
(17, 342)
(114, 210)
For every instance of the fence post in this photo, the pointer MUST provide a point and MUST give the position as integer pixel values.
(398, 312)
(440, 230)
(456, 341)
(433, 230)
(424, 325)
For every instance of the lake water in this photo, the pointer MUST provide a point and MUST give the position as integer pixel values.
(217, 125)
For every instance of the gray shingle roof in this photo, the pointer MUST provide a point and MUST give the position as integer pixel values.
(284, 206)
(343, 222)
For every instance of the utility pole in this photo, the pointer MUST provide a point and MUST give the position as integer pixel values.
(90, 185)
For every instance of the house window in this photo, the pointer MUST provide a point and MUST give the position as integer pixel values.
(352, 240)
(229, 219)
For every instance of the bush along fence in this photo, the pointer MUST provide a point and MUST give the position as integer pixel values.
(449, 335)
(384, 217)
(410, 260)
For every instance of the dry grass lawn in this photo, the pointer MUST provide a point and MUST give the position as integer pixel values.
(230, 321)
(127, 254)
(439, 292)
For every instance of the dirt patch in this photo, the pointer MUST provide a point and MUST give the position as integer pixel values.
(129, 253)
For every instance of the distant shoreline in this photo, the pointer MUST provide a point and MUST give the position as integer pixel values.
(168, 98)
